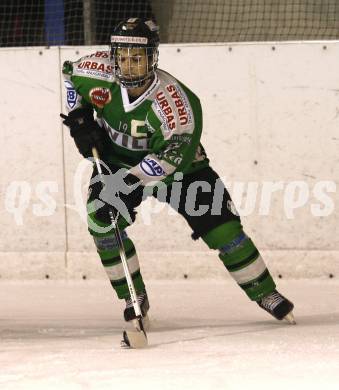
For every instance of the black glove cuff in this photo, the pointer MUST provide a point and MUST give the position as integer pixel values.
(81, 115)
(78, 118)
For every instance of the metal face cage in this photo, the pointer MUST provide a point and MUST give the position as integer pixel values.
(134, 66)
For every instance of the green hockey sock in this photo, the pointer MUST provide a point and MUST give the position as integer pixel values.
(108, 250)
(242, 259)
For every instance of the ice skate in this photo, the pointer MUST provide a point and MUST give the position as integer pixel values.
(129, 313)
(278, 306)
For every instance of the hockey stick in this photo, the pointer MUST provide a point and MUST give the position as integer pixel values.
(137, 338)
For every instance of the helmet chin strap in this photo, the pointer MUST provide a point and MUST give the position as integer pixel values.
(135, 83)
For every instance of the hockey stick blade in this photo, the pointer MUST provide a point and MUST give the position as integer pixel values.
(135, 338)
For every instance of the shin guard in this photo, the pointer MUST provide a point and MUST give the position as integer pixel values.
(241, 258)
(108, 250)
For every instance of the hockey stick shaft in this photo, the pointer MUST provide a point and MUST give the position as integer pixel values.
(122, 253)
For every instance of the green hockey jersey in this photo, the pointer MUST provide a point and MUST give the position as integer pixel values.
(153, 136)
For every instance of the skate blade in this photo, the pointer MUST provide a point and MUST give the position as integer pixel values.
(290, 318)
(134, 339)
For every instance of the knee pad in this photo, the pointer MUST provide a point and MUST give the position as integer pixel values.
(223, 235)
(109, 242)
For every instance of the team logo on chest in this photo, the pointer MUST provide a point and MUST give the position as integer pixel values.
(100, 96)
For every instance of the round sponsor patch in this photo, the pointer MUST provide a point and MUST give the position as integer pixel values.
(151, 167)
(100, 96)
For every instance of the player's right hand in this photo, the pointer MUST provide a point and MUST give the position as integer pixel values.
(85, 131)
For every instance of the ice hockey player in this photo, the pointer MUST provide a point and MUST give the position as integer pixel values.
(149, 123)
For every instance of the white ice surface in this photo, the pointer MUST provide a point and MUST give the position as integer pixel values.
(206, 335)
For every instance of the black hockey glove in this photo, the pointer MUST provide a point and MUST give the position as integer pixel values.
(122, 192)
(86, 131)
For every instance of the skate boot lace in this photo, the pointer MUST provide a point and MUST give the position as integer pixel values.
(272, 301)
(140, 297)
